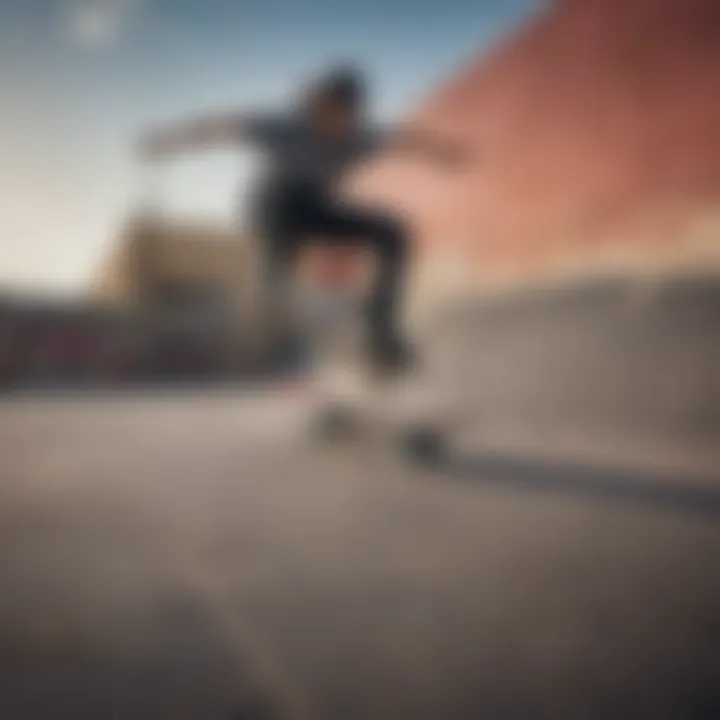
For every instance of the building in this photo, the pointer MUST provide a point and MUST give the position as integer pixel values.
(157, 263)
(167, 304)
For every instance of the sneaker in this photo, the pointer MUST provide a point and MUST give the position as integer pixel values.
(392, 356)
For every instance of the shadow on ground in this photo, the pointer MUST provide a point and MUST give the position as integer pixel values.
(667, 492)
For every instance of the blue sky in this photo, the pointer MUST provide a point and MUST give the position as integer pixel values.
(82, 76)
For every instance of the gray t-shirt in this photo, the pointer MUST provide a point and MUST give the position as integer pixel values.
(298, 155)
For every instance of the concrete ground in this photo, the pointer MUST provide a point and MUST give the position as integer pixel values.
(193, 556)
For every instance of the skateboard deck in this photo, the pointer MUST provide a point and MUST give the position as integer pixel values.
(426, 444)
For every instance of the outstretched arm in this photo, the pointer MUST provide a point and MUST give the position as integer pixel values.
(208, 131)
(430, 145)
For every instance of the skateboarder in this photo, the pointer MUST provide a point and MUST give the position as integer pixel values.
(309, 149)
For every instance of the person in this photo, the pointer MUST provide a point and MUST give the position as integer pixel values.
(310, 149)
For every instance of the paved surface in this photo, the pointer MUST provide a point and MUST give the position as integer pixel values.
(193, 557)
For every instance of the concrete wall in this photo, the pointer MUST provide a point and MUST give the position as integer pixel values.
(609, 357)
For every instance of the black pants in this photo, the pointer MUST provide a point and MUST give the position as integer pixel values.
(287, 219)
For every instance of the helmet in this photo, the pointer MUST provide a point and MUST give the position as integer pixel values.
(345, 85)
(342, 84)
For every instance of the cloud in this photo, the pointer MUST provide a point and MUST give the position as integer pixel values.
(98, 24)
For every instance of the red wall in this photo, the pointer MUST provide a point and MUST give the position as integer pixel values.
(598, 111)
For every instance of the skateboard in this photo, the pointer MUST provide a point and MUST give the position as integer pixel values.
(351, 403)
(340, 424)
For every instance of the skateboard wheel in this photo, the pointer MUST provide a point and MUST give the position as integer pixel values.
(425, 445)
